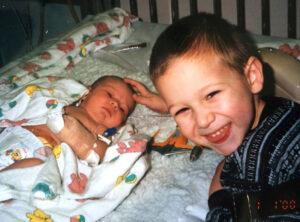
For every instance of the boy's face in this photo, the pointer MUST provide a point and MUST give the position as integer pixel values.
(212, 104)
(109, 103)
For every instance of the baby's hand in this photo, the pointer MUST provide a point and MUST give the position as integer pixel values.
(152, 100)
(83, 117)
(76, 136)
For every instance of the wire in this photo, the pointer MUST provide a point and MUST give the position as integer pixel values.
(20, 22)
(29, 25)
(73, 12)
(42, 21)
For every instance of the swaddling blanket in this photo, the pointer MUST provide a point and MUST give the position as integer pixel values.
(31, 101)
(67, 189)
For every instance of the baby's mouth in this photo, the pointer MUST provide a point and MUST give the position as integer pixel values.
(220, 135)
(107, 110)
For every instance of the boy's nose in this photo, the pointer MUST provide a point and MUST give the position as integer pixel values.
(204, 118)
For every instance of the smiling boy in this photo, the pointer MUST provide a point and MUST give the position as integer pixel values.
(209, 77)
(212, 112)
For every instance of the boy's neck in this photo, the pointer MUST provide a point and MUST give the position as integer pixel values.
(259, 105)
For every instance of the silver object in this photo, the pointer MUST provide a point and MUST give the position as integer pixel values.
(129, 47)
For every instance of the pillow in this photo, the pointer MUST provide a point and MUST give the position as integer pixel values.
(293, 51)
(290, 46)
(282, 73)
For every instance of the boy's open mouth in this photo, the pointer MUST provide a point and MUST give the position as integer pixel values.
(220, 135)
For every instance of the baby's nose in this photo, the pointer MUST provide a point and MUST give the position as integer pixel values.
(114, 103)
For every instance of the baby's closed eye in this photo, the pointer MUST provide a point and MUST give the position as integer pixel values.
(109, 94)
(122, 109)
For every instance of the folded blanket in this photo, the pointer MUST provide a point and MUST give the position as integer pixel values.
(109, 27)
(64, 188)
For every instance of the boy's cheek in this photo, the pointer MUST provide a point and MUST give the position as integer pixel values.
(187, 130)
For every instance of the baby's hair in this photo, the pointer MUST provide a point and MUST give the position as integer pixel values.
(103, 79)
(196, 35)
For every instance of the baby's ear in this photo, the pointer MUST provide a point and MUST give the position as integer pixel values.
(254, 74)
(84, 97)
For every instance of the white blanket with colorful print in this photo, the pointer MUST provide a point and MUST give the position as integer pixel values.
(33, 98)
(64, 188)
(110, 27)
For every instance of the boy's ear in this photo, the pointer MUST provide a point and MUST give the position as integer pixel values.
(254, 74)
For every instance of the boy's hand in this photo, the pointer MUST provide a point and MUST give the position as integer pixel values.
(142, 95)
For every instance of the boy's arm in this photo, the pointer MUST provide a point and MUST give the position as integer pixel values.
(220, 200)
(215, 183)
(81, 115)
(142, 95)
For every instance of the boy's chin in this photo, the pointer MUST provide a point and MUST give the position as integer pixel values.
(225, 151)
(229, 146)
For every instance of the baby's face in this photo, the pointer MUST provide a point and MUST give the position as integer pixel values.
(212, 104)
(109, 103)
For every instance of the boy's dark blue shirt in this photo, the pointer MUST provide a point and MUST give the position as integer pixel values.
(269, 154)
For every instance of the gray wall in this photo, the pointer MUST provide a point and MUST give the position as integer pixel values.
(16, 40)
(278, 13)
(58, 19)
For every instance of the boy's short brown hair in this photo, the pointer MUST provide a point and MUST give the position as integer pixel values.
(197, 34)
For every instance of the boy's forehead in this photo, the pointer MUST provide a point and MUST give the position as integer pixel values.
(204, 58)
(206, 69)
(196, 59)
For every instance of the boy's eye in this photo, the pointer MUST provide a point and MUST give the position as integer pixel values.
(181, 111)
(109, 94)
(122, 110)
(210, 95)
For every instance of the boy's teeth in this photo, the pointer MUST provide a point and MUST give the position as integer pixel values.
(220, 135)
(219, 131)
